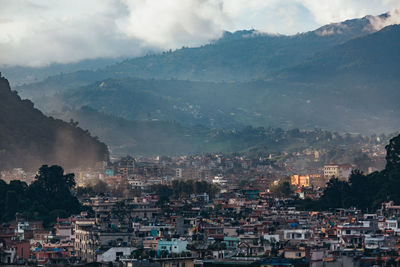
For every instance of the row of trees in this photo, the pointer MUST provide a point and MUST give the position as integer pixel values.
(365, 192)
(47, 198)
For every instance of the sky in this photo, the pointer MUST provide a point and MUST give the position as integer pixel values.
(41, 32)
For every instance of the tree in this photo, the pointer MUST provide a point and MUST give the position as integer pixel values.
(393, 154)
(52, 191)
(47, 198)
(282, 189)
(336, 194)
(11, 206)
(52, 181)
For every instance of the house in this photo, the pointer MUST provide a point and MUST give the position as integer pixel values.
(64, 228)
(250, 248)
(390, 210)
(352, 235)
(297, 234)
(21, 247)
(172, 246)
(115, 254)
(54, 252)
(7, 255)
(150, 243)
(375, 242)
(294, 253)
(389, 224)
(215, 232)
(231, 242)
(251, 193)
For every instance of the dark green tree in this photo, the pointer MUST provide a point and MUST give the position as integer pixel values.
(336, 194)
(11, 206)
(393, 154)
(52, 191)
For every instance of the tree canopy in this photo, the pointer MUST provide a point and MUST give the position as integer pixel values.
(47, 198)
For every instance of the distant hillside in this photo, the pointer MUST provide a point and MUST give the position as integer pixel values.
(19, 75)
(241, 56)
(368, 58)
(140, 137)
(238, 56)
(29, 139)
(340, 77)
(362, 74)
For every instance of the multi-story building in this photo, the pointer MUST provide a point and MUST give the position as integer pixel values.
(300, 180)
(352, 235)
(85, 240)
(178, 172)
(340, 171)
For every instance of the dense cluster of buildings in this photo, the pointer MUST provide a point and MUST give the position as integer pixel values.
(231, 229)
(244, 223)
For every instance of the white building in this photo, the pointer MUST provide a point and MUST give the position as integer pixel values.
(115, 254)
(297, 234)
(374, 242)
(178, 172)
(172, 246)
(340, 171)
(386, 224)
(352, 235)
(219, 179)
(136, 184)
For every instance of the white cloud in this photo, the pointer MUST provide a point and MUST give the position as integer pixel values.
(38, 32)
(379, 23)
(167, 23)
(62, 31)
(325, 12)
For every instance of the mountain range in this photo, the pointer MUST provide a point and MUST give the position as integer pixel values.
(341, 77)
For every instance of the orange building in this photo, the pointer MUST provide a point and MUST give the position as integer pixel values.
(300, 180)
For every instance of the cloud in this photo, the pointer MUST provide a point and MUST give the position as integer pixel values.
(166, 23)
(39, 32)
(380, 22)
(325, 12)
(63, 31)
